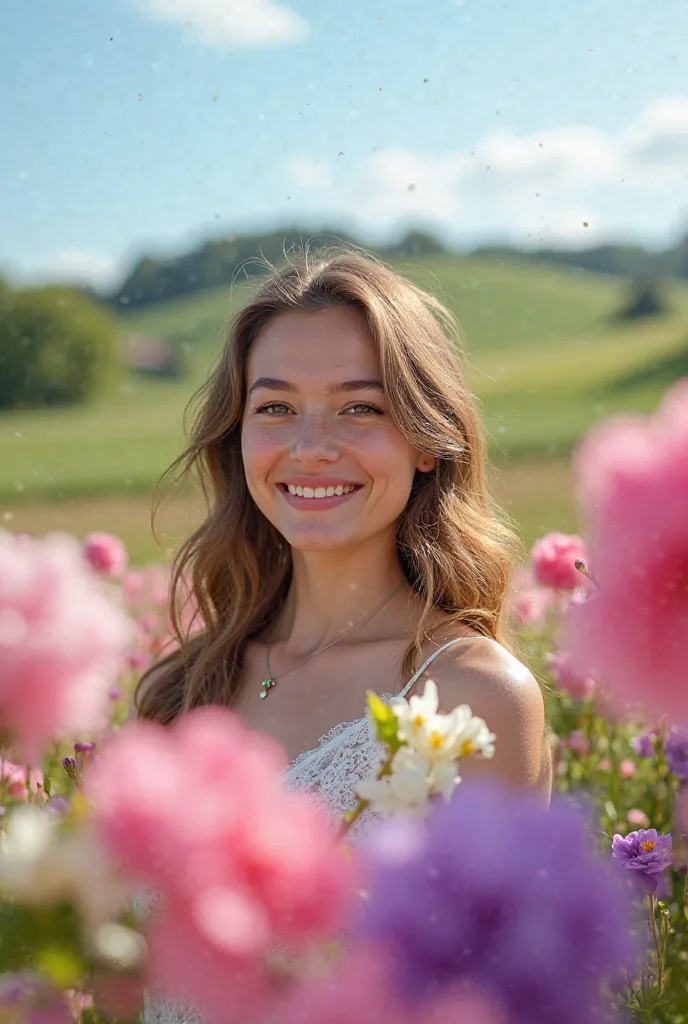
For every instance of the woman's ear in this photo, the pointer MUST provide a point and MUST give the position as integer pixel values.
(426, 463)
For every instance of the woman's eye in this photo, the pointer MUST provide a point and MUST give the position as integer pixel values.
(364, 408)
(274, 408)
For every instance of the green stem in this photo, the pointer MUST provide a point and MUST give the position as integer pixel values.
(655, 936)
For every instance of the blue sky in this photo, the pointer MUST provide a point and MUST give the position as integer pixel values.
(139, 126)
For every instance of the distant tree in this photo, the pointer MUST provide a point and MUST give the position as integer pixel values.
(56, 347)
(643, 298)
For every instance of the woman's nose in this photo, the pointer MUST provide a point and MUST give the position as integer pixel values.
(314, 441)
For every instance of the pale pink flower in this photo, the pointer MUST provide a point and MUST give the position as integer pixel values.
(359, 991)
(553, 558)
(578, 687)
(578, 743)
(105, 553)
(632, 481)
(199, 811)
(62, 640)
(637, 817)
(627, 769)
(145, 588)
(15, 782)
(604, 764)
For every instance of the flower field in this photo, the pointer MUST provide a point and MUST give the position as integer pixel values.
(139, 863)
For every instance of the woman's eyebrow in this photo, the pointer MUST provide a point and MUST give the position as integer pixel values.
(276, 384)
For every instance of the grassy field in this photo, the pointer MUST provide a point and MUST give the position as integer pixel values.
(544, 356)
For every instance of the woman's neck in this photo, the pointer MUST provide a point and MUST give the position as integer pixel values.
(333, 592)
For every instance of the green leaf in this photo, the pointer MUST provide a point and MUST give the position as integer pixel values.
(385, 722)
(63, 966)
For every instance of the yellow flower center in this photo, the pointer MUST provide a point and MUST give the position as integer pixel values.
(467, 748)
(647, 845)
(418, 721)
(436, 740)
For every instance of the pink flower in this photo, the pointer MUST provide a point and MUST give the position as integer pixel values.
(554, 557)
(13, 781)
(199, 811)
(359, 991)
(578, 743)
(143, 588)
(637, 817)
(604, 764)
(578, 687)
(62, 640)
(627, 769)
(632, 480)
(105, 553)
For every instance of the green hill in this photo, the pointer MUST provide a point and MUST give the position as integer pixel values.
(544, 356)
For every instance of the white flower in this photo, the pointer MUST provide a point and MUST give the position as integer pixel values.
(440, 737)
(405, 790)
(40, 864)
(412, 781)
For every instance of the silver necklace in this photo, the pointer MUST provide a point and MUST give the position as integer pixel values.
(270, 680)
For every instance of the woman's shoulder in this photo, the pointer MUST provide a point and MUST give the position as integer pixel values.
(478, 670)
(498, 687)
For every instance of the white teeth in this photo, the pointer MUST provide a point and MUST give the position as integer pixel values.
(320, 492)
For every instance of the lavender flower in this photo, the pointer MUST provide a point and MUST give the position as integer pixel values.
(645, 853)
(499, 892)
(676, 751)
(643, 745)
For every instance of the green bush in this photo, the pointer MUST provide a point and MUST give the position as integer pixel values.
(56, 347)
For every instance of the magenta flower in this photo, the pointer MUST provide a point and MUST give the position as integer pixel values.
(503, 894)
(198, 811)
(632, 481)
(62, 641)
(646, 853)
(105, 553)
(554, 559)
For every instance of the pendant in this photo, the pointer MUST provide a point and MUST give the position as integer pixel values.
(266, 685)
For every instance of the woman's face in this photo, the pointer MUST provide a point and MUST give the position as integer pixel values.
(323, 460)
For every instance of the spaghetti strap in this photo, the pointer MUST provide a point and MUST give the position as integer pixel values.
(428, 661)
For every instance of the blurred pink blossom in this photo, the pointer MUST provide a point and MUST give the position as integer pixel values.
(632, 481)
(199, 811)
(62, 640)
(553, 558)
(358, 991)
(15, 783)
(577, 743)
(578, 687)
(637, 817)
(627, 769)
(604, 764)
(105, 553)
(145, 588)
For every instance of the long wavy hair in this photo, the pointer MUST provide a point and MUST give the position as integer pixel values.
(457, 549)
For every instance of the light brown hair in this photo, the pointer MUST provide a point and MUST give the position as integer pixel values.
(456, 548)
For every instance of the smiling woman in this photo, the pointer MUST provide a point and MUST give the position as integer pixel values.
(350, 541)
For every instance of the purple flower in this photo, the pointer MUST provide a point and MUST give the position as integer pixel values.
(497, 891)
(676, 751)
(645, 853)
(643, 745)
(84, 748)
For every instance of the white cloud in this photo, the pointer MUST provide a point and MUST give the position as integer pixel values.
(308, 172)
(227, 24)
(569, 185)
(71, 266)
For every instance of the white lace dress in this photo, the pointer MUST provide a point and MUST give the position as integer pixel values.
(331, 772)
